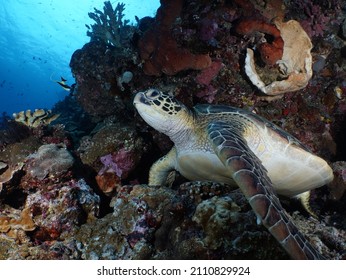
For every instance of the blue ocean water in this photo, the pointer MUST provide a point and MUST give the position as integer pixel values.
(37, 40)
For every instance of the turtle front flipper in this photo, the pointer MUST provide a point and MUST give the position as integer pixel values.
(251, 177)
(160, 170)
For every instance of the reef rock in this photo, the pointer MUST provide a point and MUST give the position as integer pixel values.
(338, 186)
(216, 215)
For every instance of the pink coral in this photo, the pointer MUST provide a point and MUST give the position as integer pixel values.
(208, 29)
(208, 74)
(121, 163)
(116, 166)
(316, 22)
(208, 94)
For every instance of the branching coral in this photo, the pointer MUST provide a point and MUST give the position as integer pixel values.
(110, 25)
(159, 50)
(36, 118)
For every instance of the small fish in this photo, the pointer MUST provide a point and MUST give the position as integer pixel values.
(63, 84)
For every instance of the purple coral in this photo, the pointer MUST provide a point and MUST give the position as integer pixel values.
(316, 19)
(121, 163)
(208, 30)
(208, 74)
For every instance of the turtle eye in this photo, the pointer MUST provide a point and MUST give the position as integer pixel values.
(152, 94)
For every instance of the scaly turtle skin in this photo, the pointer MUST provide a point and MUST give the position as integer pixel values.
(229, 145)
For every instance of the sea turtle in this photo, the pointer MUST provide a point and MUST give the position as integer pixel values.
(230, 145)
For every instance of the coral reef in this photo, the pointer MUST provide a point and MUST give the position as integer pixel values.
(114, 139)
(216, 216)
(60, 209)
(11, 132)
(198, 223)
(338, 186)
(116, 167)
(91, 202)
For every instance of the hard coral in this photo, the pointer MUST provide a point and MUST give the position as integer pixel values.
(208, 74)
(11, 131)
(7, 172)
(109, 139)
(160, 51)
(338, 186)
(208, 30)
(49, 160)
(36, 118)
(11, 225)
(110, 26)
(120, 162)
(316, 16)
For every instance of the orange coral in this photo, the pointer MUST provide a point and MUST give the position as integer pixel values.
(159, 50)
(11, 225)
(270, 52)
(108, 182)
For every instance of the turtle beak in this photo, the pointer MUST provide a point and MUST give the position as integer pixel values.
(140, 98)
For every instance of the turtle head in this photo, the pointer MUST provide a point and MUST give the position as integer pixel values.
(161, 111)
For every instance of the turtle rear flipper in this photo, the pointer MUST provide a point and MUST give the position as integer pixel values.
(251, 177)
